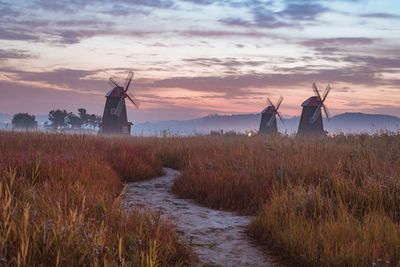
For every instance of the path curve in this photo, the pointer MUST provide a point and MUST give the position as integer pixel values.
(217, 237)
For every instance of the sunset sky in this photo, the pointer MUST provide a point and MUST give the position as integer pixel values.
(197, 57)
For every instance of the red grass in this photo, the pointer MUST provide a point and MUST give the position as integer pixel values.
(323, 202)
(60, 204)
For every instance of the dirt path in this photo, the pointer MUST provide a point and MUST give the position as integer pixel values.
(216, 236)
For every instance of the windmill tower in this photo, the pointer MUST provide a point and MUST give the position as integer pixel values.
(268, 123)
(311, 116)
(115, 119)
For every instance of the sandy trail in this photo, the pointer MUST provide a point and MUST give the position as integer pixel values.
(217, 237)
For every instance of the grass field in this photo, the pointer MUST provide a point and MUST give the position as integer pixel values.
(60, 204)
(325, 202)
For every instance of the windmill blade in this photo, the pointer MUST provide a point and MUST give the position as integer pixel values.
(278, 104)
(271, 120)
(280, 117)
(316, 114)
(270, 102)
(133, 100)
(314, 86)
(327, 90)
(327, 113)
(120, 106)
(128, 80)
(113, 83)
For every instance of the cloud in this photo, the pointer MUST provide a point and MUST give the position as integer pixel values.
(364, 71)
(7, 11)
(68, 79)
(223, 33)
(340, 41)
(231, 63)
(236, 22)
(64, 31)
(74, 5)
(124, 10)
(380, 15)
(71, 21)
(266, 18)
(14, 54)
(201, 2)
(239, 85)
(291, 16)
(333, 49)
(377, 63)
(75, 36)
(29, 28)
(232, 3)
(17, 35)
(303, 10)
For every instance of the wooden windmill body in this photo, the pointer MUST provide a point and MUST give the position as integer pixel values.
(115, 119)
(311, 117)
(268, 124)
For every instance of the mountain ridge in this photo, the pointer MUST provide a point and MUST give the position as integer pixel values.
(349, 122)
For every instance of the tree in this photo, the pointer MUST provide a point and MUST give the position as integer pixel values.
(74, 121)
(84, 116)
(94, 120)
(58, 118)
(97, 121)
(23, 121)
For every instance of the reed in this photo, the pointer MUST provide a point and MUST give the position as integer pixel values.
(319, 202)
(60, 204)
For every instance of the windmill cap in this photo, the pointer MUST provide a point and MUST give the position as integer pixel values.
(269, 109)
(311, 102)
(116, 92)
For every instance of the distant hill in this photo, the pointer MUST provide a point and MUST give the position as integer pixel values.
(361, 122)
(346, 122)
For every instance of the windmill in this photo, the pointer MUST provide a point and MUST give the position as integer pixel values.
(268, 123)
(115, 120)
(311, 116)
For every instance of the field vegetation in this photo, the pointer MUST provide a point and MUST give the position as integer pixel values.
(317, 202)
(60, 204)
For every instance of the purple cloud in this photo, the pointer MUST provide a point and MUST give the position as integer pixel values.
(380, 15)
(14, 54)
(303, 10)
(340, 41)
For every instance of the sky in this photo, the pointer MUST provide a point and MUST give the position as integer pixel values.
(192, 58)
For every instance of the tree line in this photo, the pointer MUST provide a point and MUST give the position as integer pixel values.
(58, 119)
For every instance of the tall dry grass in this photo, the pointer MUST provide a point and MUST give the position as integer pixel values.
(320, 202)
(60, 204)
